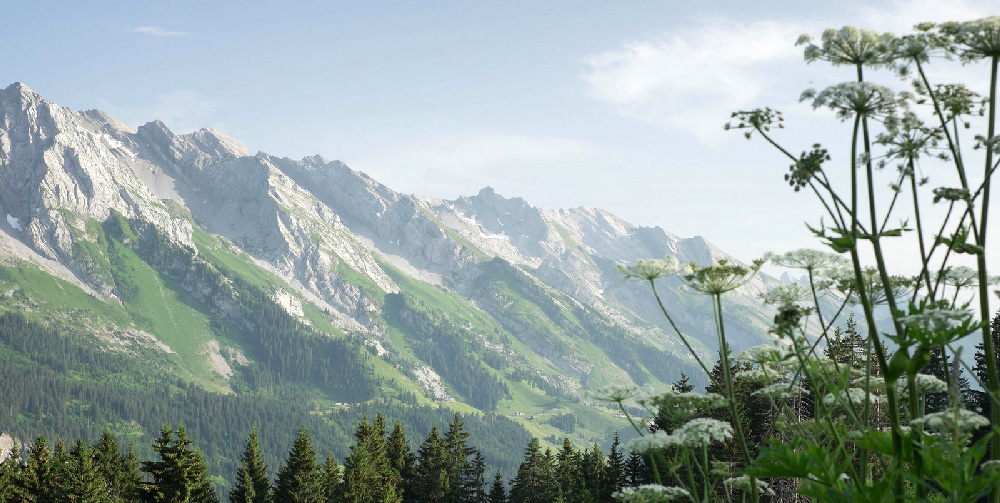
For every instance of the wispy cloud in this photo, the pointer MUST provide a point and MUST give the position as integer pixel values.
(156, 31)
(691, 78)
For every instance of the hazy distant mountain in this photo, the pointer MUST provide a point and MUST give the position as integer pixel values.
(173, 235)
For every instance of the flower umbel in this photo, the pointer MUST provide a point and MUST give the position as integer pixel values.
(951, 419)
(722, 277)
(650, 269)
(651, 493)
(703, 430)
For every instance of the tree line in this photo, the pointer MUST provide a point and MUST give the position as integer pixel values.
(381, 468)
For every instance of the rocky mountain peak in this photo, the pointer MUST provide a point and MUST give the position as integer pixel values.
(216, 143)
(22, 93)
(156, 131)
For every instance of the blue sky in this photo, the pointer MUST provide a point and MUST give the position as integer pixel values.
(613, 104)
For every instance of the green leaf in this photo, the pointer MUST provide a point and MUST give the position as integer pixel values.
(898, 365)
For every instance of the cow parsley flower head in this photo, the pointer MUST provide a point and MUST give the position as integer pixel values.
(979, 39)
(653, 441)
(743, 483)
(703, 430)
(950, 420)
(854, 396)
(806, 259)
(874, 382)
(688, 401)
(780, 390)
(722, 277)
(848, 99)
(962, 276)
(617, 393)
(764, 374)
(650, 269)
(762, 354)
(850, 46)
(923, 383)
(933, 319)
(789, 293)
(651, 493)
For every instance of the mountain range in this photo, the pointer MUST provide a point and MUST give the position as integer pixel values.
(242, 274)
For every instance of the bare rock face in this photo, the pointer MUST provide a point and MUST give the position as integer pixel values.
(62, 167)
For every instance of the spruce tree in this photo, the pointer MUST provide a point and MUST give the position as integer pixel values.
(592, 471)
(120, 473)
(456, 442)
(129, 476)
(60, 464)
(567, 471)
(497, 494)
(331, 480)
(37, 483)
(298, 479)
(668, 420)
(10, 475)
(401, 459)
(251, 484)
(615, 476)
(83, 482)
(637, 472)
(175, 475)
(476, 478)
(431, 480)
(202, 490)
(534, 483)
(981, 399)
(368, 477)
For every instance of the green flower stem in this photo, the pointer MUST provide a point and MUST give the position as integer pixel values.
(728, 377)
(705, 470)
(824, 183)
(952, 142)
(897, 445)
(652, 460)
(883, 272)
(924, 272)
(989, 352)
(680, 336)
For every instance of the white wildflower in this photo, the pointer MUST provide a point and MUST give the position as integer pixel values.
(933, 319)
(924, 384)
(810, 260)
(722, 277)
(653, 441)
(651, 493)
(687, 401)
(762, 374)
(764, 353)
(855, 396)
(789, 293)
(780, 390)
(875, 382)
(650, 269)
(951, 419)
(703, 430)
(962, 276)
(743, 483)
(617, 393)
